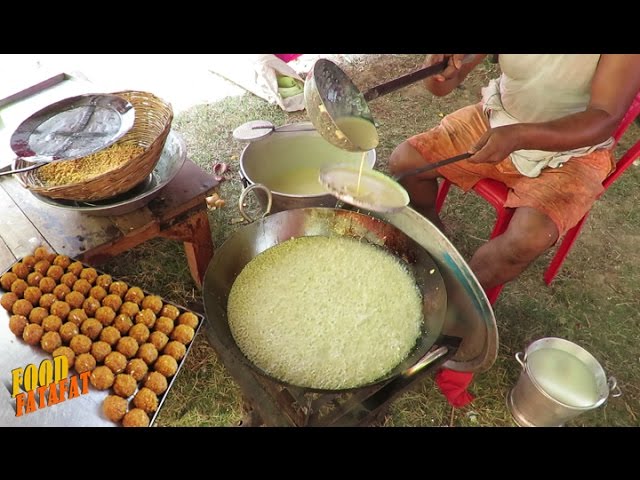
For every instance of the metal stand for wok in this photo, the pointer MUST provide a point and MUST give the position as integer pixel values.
(272, 404)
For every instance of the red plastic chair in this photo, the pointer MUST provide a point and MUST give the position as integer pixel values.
(496, 194)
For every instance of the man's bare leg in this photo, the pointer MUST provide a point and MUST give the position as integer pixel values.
(500, 260)
(422, 188)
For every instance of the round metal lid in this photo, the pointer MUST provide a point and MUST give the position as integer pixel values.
(254, 130)
(74, 127)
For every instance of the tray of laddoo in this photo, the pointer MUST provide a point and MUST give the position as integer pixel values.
(81, 348)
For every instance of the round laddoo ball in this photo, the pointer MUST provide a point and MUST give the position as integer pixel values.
(91, 328)
(89, 274)
(55, 272)
(100, 350)
(68, 279)
(50, 341)
(119, 288)
(38, 314)
(104, 280)
(114, 408)
(130, 309)
(170, 311)
(42, 266)
(158, 339)
(61, 309)
(32, 334)
(137, 369)
(68, 331)
(124, 385)
(91, 306)
(102, 378)
(51, 257)
(19, 286)
(80, 344)
(46, 300)
(135, 295)
(183, 334)
(32, 295)
(83, 286)
(98, 292)
(21, 270)
(67, 352)
(47, 285)
(116, 362)
(123, 323)
(85, 362)
(166, 365)
(22, 307)
(8, 300)
(127, 346)
(136, 418)
(188, 318)
(175, 349)
(33, 279)
(17, 323)
(62, 261)
(164, 325)
(74, 299)
(41, 252)
(51, 323)
(113, 301)
(147, 317)
(61, 291)
(7, 279)
(105, 315)
(156, 382)
(75, 268)
(110, 335)
(139, 332)
(77, 316)
(148, 353)
(153, 303)
(29, 261)
(146, 400)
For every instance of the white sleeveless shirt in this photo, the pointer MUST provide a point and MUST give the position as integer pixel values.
(540, 88)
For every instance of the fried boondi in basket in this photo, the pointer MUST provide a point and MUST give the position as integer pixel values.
(85, 168)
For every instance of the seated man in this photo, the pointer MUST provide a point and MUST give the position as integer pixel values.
(543, 129)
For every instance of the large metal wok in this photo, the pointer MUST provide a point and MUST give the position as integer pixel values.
(252, 239)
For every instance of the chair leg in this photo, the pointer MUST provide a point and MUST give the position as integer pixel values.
(563, 251)
(494, 293)
(443, 190)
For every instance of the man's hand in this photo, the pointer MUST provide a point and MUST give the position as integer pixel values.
(452, 69)
(495, 145)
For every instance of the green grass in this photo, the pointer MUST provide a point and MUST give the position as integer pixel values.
(594, 300)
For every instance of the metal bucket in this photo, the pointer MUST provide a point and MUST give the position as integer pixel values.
(559, 381)
(284, 159)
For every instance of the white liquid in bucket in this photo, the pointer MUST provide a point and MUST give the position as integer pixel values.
(564, 377)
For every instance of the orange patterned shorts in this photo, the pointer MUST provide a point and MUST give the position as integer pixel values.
(564, 194)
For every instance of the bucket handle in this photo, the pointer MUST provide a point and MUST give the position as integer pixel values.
(614, 389)
(520, 360)
(255, 186)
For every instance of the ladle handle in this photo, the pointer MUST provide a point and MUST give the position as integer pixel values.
(433, 166)
(25, 169)
(404, 80)
(408, 79)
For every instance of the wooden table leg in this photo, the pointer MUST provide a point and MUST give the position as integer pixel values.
(195, 232)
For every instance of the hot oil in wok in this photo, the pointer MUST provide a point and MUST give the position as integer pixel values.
(325, 312)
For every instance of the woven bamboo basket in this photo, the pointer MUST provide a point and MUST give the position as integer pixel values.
(153, 117)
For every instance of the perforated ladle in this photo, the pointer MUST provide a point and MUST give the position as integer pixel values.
(330, 96)
(372, 189)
